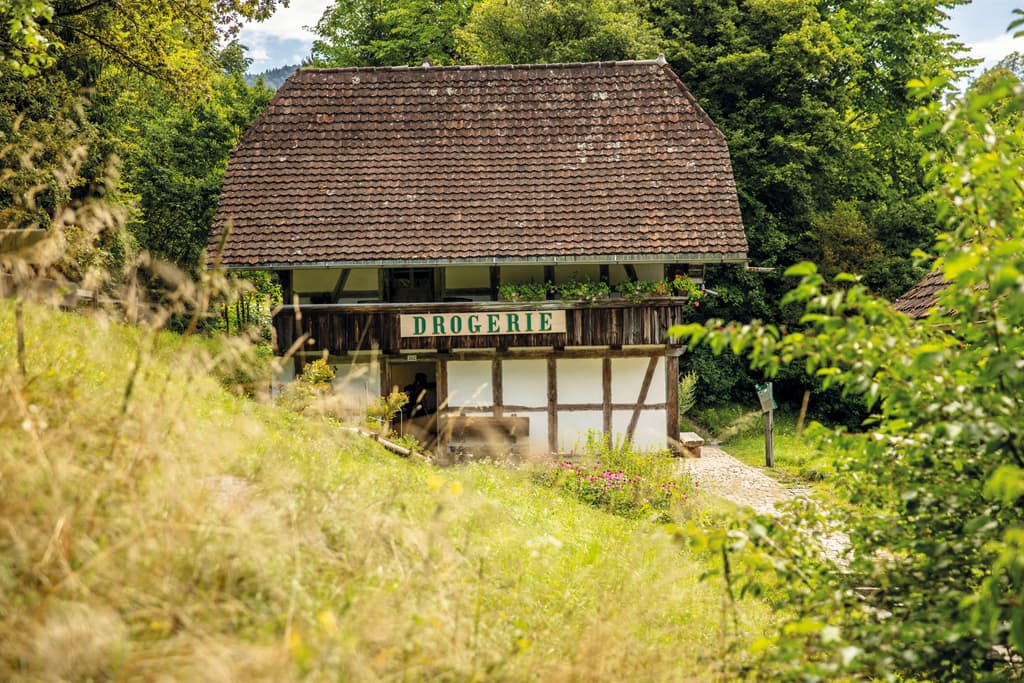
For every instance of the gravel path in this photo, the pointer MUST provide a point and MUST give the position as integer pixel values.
(723, 475)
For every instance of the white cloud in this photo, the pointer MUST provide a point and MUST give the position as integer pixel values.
(991, 50)
(288, 22)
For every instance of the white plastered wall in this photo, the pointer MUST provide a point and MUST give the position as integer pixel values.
(467, 277)
(573, 427)
(579, 381)
(521, 274)
(577, 271)
(628, 378)
(525, 383)
(651, 427)
(315, 279)
(469, 384)
(358, 382)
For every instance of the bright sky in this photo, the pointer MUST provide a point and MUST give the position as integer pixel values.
(283, 39)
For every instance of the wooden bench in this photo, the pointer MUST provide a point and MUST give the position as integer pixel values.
(485, 436)
(690, 444)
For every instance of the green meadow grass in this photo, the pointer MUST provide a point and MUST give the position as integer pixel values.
(153, 525)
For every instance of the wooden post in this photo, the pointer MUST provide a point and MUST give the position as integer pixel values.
(552, 405)
(672, 400)
(606, 396)
(441, 390)
(769, 428)
(495, 274)
(497, 391)
(803, 413)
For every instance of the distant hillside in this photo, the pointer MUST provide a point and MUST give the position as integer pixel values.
(273, 78)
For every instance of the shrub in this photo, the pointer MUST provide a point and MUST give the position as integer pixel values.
(380, 413)
(582, 291)
(618, 477)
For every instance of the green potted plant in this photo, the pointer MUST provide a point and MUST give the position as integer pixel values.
(524, 291)
(582, 291)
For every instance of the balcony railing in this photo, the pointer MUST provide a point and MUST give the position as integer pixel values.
(345, 328)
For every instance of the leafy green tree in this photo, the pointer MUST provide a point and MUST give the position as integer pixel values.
(812, 98)
(388, 32)
(175, 156)
(932, 585)
(537, 31)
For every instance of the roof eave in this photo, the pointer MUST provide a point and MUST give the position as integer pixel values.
(717, 258)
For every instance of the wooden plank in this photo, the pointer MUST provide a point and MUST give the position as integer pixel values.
(495, 274)
(496, 388)
(549, 273)
(604, 275)
(285, 278)
(672, 402)
(606, 395)
(631, 271)
(552, 405)
(441, 390)
(644, 389)
(340, 286)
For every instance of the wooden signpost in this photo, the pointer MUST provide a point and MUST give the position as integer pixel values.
(768, 406)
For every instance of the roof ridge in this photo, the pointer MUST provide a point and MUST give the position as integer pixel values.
(483, 67)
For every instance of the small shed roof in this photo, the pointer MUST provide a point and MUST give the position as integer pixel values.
(919, 300)
(432, 165)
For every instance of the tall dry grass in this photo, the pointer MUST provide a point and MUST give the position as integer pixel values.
(154, 526)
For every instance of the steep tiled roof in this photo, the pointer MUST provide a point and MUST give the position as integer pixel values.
(918, 301)
(476, 164)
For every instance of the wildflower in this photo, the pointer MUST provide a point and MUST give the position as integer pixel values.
(328, 622)
(434, 482)
(456, 488)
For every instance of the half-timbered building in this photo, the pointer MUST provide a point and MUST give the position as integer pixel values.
(395, 204)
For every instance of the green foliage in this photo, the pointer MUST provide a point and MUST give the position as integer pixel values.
(618, 477)
(384, 408)
(935, 530)
(812, 99)
(687, 392)
(720, 380)
(582, 291)
(197, 535)
(307, 392)
(538, 31)
(524, 291)
(175, 156)
(388, 32)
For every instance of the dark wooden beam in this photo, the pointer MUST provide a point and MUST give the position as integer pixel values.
(285, 278)
(552, 405)
(444, 432)
(645, 388)
(605, 275)
(606, 393)
(495, 281)
(339, 287)
(672, 402)
(496, 388)
(630, 271)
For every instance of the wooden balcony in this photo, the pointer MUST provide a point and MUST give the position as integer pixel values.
(345, 328)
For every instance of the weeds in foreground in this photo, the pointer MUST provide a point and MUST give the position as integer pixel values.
(617, 477)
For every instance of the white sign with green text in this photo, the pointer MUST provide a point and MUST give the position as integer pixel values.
(469, 324)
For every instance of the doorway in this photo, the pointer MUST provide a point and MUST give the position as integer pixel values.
(418, 418)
